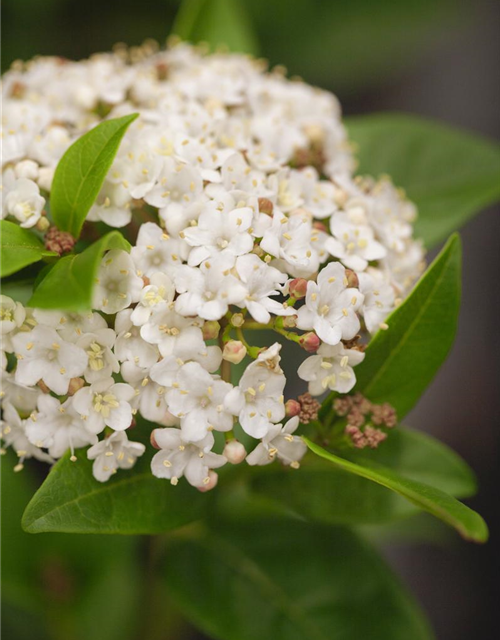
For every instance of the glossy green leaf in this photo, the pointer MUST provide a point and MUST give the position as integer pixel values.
(131, 502)
(289, 580)
(217, 22)
(19, 248)
(81, 171)
(467, 522)
(90, 582)
(401, 361)
(70, 282)
(451, 175)
(323, 493)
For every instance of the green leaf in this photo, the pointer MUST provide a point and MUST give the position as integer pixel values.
(401, 361)
(217, 22)
(19, 248)
(451, 175)
(81, 171)
(322, 493)
(467, 522)
(70, 282)
(289, 580)
(131, 502)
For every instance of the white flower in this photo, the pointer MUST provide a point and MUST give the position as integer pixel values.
(149, 397)
(102, 361)
(43, 355)
(13, 434)
(24, 202)
(331, 368)
(70, 326)
(113, 453)
(27, 169)
(280, 443)
(57, 427)
(178, 458)
(258, 399)
(155, 297)
(330, 307)
(12, 315)
(130, 345)
(156, 251)
(135, 168)
(290, 240)
(117, 283)
(353, 239)
(198, 400)
(23, 398)
(105, 404)
(222, 226)
(261, 282)
(112, 205)
(208, 291)
(178, 187)
(379, 298)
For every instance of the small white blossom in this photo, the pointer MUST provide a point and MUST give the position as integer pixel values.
(178, 458)
(43, 355)
(113, 453)
(24, 202)
(198, 400)
(331, 368)
(12, 316)
(155, 251)
(379, 298)
(13, 434)
(258, 399)
(330, 307)
(280, 443)
(102, 362)
(105, 404)
(57, 427)
(117, 283)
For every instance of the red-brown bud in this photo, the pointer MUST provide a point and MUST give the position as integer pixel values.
(292, 408)
(298, 288)
(266, 206)
(352, 278)
(310, 342)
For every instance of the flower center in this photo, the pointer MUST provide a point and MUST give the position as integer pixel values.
(103, 404)
(96, 356)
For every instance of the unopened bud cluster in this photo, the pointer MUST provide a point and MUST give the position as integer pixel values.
(256, 221)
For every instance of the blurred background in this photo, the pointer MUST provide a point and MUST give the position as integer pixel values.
(436, 58)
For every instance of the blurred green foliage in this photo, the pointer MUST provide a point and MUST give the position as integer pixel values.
(348, 46)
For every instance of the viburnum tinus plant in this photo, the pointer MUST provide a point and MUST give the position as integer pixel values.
(174, 223)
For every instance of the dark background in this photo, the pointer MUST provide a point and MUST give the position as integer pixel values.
(439, 59)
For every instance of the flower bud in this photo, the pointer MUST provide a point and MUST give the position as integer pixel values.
(211, 330)
(292, 408)
(237, 319)
(43, 224)
(298, 288)
(75, 384)
(153, 440)
(266, 206)
(352, 278)
(45, 177)
(234, 451)
(234, 351)
(59, 241)
(27, 169)
(319, 226)
(210, 482)
(310, 342)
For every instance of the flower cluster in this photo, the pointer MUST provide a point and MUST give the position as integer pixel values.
(237, 190)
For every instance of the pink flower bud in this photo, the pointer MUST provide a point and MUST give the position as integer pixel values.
(234, 451)
(75, 384)
(319, 226)
(310, 342)
(210, 482)
(211, 330)
(266, 206)
(292, 408)
(153, 440)
(352, 278)
(234, 351)
(298, 288)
